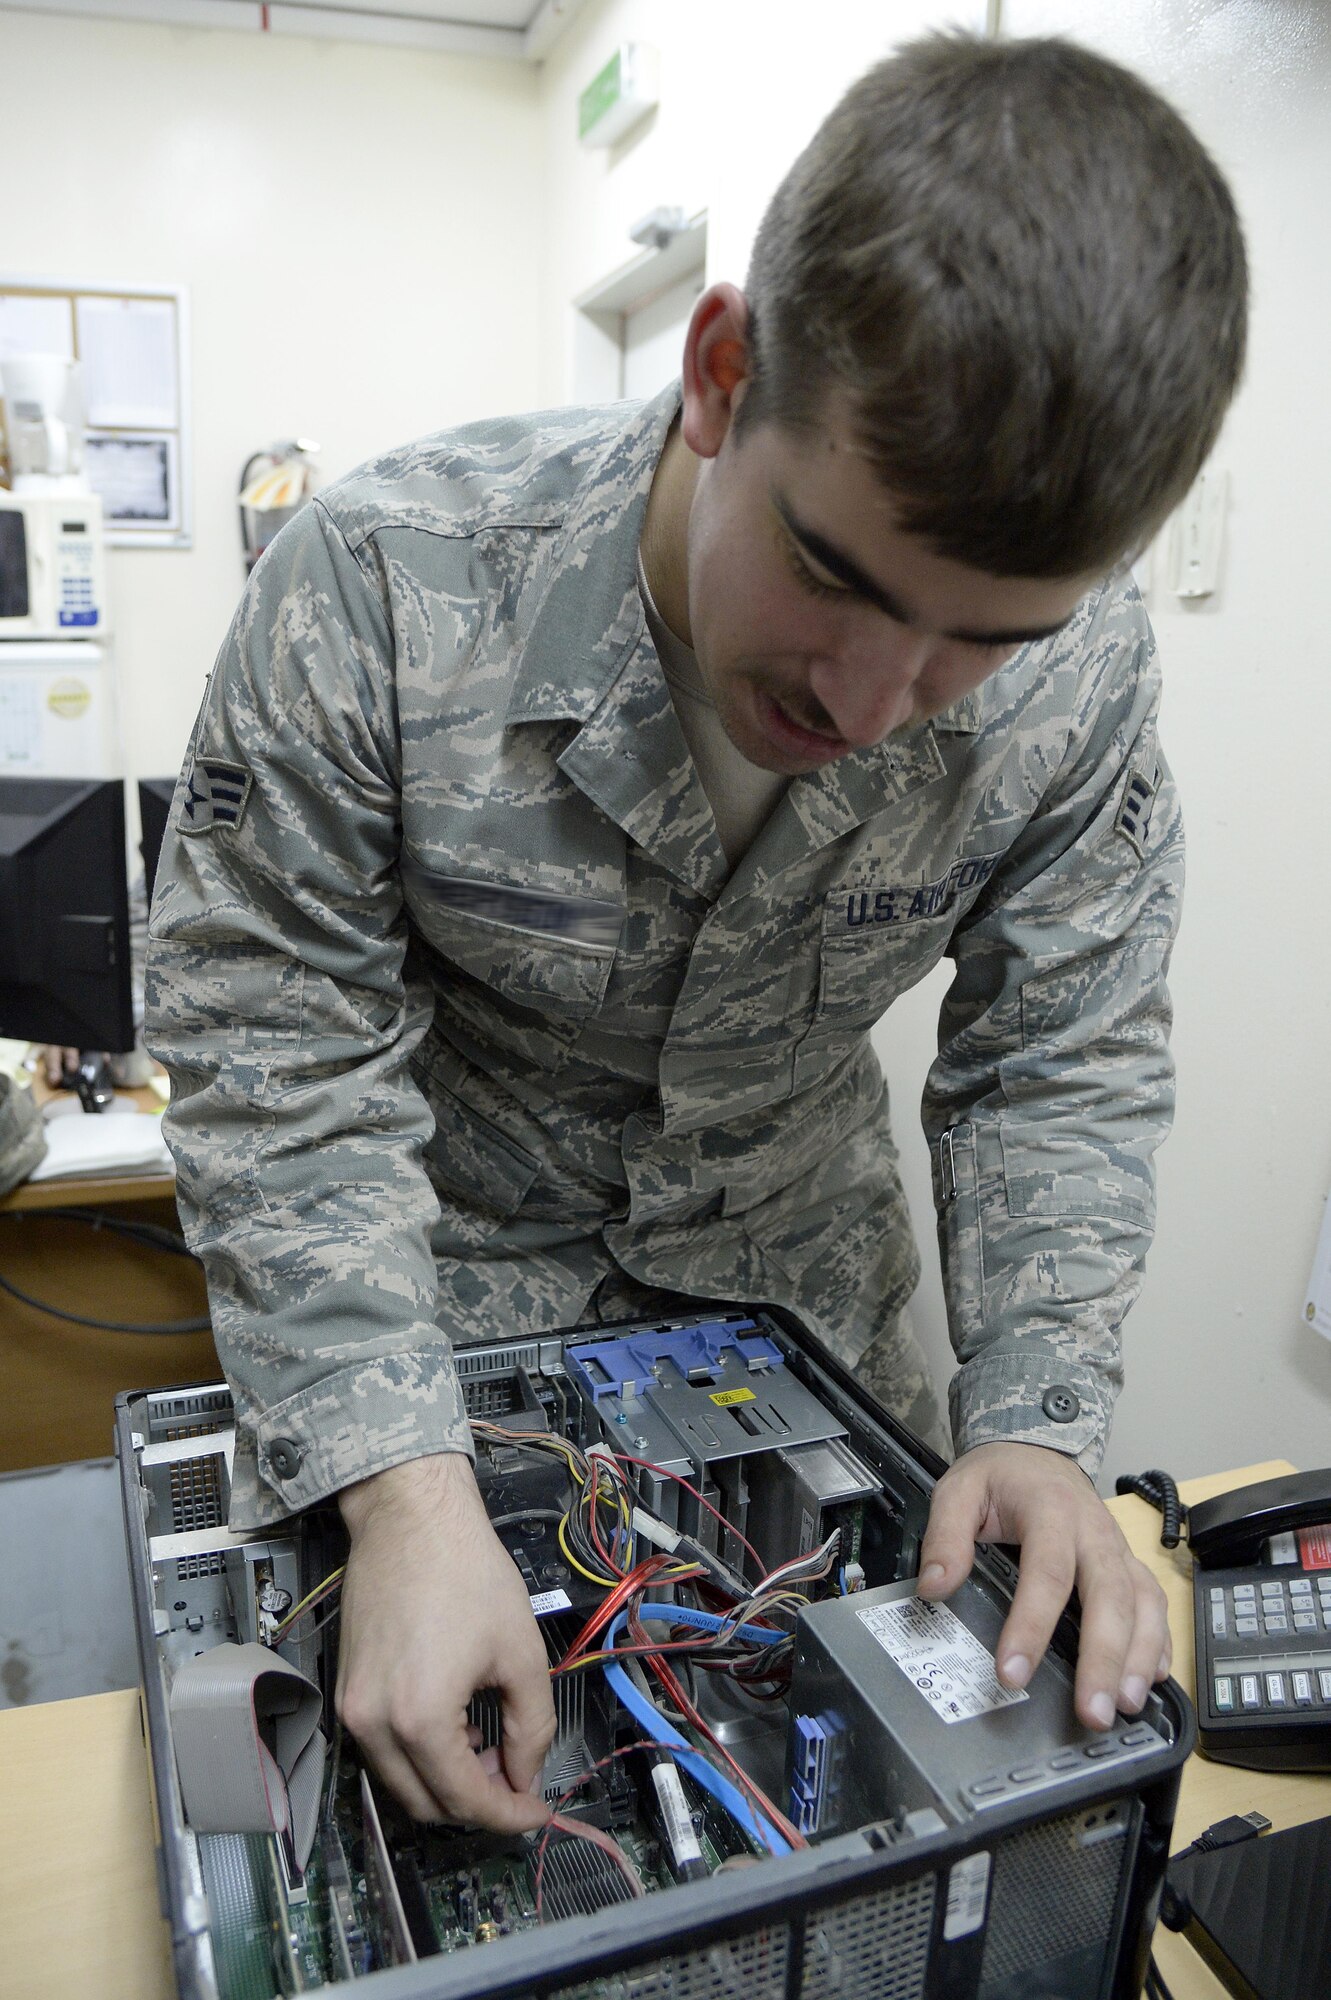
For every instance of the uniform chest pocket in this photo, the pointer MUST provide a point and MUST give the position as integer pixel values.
(862, 970)
(555, 962)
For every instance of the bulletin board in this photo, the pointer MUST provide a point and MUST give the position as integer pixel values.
(132, 346)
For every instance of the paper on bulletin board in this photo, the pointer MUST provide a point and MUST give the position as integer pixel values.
(35, 325)
(127, 348)
(135, 476)
(1317, 1305)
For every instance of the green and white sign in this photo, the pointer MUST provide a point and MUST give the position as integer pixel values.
(620, 94)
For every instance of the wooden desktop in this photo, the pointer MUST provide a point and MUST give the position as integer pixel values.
(61, 1379)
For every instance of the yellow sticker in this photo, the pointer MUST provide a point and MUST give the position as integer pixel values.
(734, 1396)
(69, 699)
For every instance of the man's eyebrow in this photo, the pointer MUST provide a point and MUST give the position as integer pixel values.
(847, 571)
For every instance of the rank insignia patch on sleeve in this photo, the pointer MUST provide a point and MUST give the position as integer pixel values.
(1134, 815)
(215, 795)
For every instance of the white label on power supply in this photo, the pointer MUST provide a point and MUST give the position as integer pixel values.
(550, 1600)
(675, 1812)
(940, 1657)
(967, 1894)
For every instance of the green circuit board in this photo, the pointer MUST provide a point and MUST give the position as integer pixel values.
(450, 1891)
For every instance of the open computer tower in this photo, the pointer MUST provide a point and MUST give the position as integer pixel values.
(942, 1839)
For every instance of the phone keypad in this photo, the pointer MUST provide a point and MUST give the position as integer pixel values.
(1280, 1630)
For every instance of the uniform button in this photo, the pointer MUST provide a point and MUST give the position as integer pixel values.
(285, 1457)
(1060, 1405)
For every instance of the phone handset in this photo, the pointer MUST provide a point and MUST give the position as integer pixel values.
(1232, 1530)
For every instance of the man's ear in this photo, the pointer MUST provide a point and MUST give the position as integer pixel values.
(717, 363)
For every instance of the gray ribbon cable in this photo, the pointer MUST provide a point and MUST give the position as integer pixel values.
(249, 1750)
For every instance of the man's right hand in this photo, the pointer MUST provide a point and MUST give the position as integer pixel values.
(433, 1608)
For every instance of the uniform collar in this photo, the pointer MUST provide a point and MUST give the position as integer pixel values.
(591, 617)
(589, 659)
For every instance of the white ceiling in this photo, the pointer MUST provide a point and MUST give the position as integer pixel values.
(523, 30)
(512, 15)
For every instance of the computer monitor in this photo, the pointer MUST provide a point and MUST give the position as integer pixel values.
(64, 914)
(155, 796)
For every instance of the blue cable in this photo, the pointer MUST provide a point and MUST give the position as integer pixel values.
(645, 1712)
(706, 1621)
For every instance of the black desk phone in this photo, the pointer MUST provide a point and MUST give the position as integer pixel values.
(1262, 1612)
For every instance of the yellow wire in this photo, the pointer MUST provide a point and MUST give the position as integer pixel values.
(289, 1618)
(601, 1582)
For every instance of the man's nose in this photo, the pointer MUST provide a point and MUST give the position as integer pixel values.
(868, 696)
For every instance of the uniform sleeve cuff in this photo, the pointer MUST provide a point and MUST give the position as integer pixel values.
(1032, 1399)
(357, 1422)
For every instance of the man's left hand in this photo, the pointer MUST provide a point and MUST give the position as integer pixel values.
(1042, 1500)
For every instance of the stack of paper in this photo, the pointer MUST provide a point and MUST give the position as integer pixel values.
(106, 1143)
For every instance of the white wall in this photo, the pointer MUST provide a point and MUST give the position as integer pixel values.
(357, 226)
(1221, 1370)
(743, 88)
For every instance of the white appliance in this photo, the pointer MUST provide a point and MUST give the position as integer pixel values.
(52, 566)
(57, 689)
(58, 712)
(52, 570)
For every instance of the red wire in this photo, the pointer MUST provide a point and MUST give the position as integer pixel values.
(638, 1578)
(675, 1693)
(593, 1518)
(624, 1750)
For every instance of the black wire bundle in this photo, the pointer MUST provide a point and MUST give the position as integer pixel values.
(148, 1233)
(1155, 1988)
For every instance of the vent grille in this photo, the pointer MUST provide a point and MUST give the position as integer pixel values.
(472, 1366)
(874, 1948)
(196, 1500)
(189, 1412)
(1053, 1892)
(744, 1968)
(495, 1396)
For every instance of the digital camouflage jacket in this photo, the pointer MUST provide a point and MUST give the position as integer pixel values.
(465, 1014)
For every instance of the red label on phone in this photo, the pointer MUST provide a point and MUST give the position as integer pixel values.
(1315, 1548)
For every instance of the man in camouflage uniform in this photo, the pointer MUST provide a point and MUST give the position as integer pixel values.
(575, 792)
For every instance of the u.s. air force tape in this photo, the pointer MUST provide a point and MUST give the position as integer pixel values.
(249, 1750)
(215, 794)
(581, 919)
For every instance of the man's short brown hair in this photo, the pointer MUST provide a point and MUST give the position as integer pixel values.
(1028, 277)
